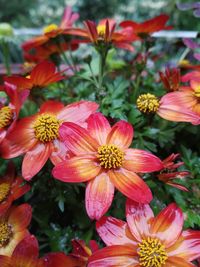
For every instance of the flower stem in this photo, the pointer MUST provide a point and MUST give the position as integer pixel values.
(6, 57)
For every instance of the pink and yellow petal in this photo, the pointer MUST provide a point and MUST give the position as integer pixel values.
(52, 107)
(76, 170)
(137, 160)
(20, 217)
(59, 152)
(99, 195)
(178, 262)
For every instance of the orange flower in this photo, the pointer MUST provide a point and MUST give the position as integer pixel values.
(52, 31)
(25, 254)
(41, 75)
(38, 136)
(11, 188)
(102, 158)
(146, 28)
(146, 240)
(13, 226)
(104, 33)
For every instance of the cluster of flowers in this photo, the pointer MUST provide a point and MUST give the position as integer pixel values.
(83, 147)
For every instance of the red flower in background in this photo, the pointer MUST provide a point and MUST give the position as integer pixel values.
(12, 187)
(38, 136)
(25, 254)
(13, 227)
(9, 113)
(146, 240)
(105, 32)
(103, 159)
(169, 172)
(170, 79)
(52, 31)
(146, 28)
(41, 75)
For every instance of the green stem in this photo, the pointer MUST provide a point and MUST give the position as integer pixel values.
(102, 63)
(6, 57)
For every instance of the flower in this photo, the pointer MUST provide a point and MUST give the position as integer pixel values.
(52, 31)
(41, 75)
(12, 187)
(104, 33)
(102, 158)
(168, 174)
(9, 112)
(169, 107)
(25, 254)
(170, 79)
(146, 28)
(78, 258)
(38, 136)
(146, 240)
(13, 226)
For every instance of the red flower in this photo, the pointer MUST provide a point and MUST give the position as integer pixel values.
(169, 173)
(52, 31)
(103, 159)
(41, 75)
(25, 254)
(12, 187)
(105, 33)
(78, 258)
(170, 79)
(146, 240)
(13, 226)
(9, 113)
(147, 27)
(38, 136)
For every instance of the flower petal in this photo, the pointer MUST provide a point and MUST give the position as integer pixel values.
(98, 196)
(20, 217)
(178, 262)
(51, 106)
(20, 82)
(167, 225)
(60, 259)
(77, 139)
(131, 185)
(35, 159)
(59, 152)
(138, 217)
(187, 246)
(78, 112)
(137, 160)
(114, 256)
(114, 231)
(98, 127)
(76, 170)
(121, 135)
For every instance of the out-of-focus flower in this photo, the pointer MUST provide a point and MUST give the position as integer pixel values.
(170, 172)
(187, 6)
(25, 254)
(170, 79)
(103, 159)
(53, 31)
(146, 240)
(78, 258)
(41, 75)
(38, 135)
(169, 107)
(9, 113)
(104, 33)
(13, 227)
(146, 28)
(6, 29)
(11, 188)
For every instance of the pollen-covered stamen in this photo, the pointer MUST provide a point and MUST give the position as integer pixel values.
(5, 234)
(46, 128)
(110, 156)
(152, 253)
(50, 28)
(197, 91)
(101, 30)
(4, 191)
(148, 103)
(6, 115)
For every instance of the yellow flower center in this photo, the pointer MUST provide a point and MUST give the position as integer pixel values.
(152, 253)
(6, 115)
(110, 156)
(5, 234)
(197, 91)
(50, 28)
(101, 30)
(46, 128)
(148, 103)
(4, 191)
